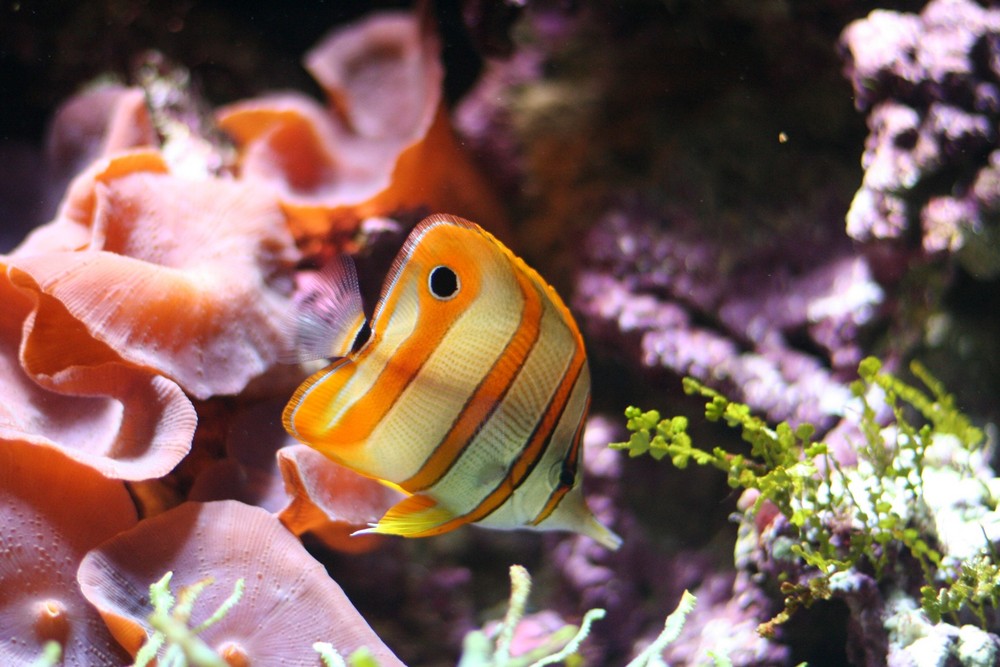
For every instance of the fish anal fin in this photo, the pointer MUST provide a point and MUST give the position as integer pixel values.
(414, 516)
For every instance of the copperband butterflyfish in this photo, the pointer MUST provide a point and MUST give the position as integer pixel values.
(468, 391)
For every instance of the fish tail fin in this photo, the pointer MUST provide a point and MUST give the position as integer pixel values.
(415, 516)
(328, 317)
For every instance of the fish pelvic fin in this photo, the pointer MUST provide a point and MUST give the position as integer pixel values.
(574, 515)
(600, 533)
(327, 319)
(416, 516)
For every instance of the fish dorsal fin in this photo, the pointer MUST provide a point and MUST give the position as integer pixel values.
(415, 516)
(327, 317)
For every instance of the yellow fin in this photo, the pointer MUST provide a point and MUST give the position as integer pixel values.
(415, 516)
(604, 536)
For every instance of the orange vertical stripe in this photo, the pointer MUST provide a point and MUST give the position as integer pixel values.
(306, 410)
(434, 319)
(569, 466)
(487, 396)
(529, 456)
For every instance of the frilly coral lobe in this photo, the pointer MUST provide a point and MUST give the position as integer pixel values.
(126, 422)
(135, 245)
(290, 602)
(358, 156)
(98, 122)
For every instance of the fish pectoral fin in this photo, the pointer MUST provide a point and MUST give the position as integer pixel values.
(327, 320)
(415, 516)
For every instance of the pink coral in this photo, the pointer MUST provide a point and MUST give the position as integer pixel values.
(648, 286)
(362, 156)
(289, 602)
(125, 422)
(186, 277)
(929, 85)
(99, 122)
(53, 510)
(329, 500)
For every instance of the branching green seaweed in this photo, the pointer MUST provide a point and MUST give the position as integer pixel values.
(845, 518)
(180, 644)
(480, 650)
(51, 655)
(172, 630)
(976, 587)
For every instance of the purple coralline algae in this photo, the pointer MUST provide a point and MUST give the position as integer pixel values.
(781, 335)
(930, 85)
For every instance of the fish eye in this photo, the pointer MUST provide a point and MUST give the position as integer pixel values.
(443, 282)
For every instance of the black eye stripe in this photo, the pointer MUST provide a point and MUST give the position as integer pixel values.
(443, 282)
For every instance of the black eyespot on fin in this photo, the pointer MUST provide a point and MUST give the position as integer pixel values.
(443, 282)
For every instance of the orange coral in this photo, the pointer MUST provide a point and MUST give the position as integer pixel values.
(331, 501)
(306, 490)
(288, 604)
(187, 277)
(384, 144)
(54, 510)
(125, 422)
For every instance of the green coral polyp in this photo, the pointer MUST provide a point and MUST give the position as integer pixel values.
(879, 508)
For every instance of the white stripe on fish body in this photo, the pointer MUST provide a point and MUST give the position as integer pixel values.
(378, 352)
(425, 411)
(502, 439)
(531, 497)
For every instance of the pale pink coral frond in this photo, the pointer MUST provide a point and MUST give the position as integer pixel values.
(289, 602)
(125, 422)
(383, 144)
(53, 511)
(99, 122)
(189, 278)
(331, 501)
(388, 55)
